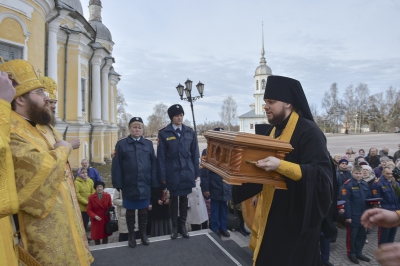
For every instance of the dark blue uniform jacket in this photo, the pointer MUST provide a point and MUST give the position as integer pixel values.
(134, 168)
(213, 183)
(178, 157)
(383, 189)
(355, 193)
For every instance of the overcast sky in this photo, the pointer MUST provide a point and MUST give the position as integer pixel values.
(159, 44)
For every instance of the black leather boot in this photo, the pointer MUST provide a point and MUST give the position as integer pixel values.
(183, 208)
(142, 216)
(130, 223)
(173, 212)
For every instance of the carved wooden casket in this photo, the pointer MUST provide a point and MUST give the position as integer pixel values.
(233, 155)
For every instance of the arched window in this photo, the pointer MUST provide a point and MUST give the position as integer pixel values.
(257, 85)
(263, 84)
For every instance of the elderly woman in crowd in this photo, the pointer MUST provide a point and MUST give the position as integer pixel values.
(99, 204)
(84, 188)
(367, 174)
(336, 159)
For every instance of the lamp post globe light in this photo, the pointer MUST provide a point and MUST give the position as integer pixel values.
(189, 98)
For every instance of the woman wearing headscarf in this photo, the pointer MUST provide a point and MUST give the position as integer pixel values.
(99, 204)
(368, 175)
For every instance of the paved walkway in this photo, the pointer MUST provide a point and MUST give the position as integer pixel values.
(338, 249)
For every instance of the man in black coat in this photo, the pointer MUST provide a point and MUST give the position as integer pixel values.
(178, 165)
(290, 220)
(373, 158)
(134, 171)
(220, 193)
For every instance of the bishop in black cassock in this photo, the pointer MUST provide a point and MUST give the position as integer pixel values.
(287, 223)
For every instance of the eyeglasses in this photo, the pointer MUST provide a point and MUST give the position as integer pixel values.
(41, 92)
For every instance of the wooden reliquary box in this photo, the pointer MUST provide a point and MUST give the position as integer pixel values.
(233, 155)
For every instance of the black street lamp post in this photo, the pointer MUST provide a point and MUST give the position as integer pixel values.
(189, 98)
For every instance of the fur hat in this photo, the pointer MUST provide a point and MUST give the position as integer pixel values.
(22, 74)
(174, 110)
(384, 158)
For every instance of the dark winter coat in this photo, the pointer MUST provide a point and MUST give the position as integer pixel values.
(382, 188)
(341, 177)
(373, 161)
(214, 184)
(98, 207)
(355, 193)
(134, 168)
(178, 158)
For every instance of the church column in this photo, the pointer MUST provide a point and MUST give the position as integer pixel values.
(113, 83)
(96, 90)
(104, 90)
(52, 55)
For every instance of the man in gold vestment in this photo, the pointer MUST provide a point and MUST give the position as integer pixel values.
(8, 192)
(50, 229)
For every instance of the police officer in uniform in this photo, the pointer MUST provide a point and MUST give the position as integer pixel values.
(355, 191)
(384, 188)
(178, 165)
(134, 171)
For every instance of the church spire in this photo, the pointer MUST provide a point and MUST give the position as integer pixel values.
(95, 10)
(262, 60)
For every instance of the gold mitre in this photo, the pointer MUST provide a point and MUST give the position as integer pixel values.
(50, 86)
(22, 75)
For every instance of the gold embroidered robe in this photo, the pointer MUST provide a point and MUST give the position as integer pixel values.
(8, 192)
(51, 230)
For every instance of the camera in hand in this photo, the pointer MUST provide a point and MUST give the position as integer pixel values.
(396, 173)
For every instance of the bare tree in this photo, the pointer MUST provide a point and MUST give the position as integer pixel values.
(393, 104)
(188, 123)
(157, 120)
(229, 112)
(122, 116)
(333, 106)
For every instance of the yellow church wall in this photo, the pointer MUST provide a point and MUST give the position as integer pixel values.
(72, 83)
(78, 155)
(12, 30)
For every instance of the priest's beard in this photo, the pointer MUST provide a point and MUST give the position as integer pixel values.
(39, 114)
(278, 118)
(53, 121)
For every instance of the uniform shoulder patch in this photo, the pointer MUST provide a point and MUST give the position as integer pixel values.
(344, 191)
(346, 182)
(374, 192)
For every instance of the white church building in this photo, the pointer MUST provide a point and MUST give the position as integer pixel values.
(257, 115)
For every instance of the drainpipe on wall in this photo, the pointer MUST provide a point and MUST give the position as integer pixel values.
(90, 106)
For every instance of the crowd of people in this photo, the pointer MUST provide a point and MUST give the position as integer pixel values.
(366, 180)
(164, 194)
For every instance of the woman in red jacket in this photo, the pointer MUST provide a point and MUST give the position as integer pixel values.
(97, 208)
